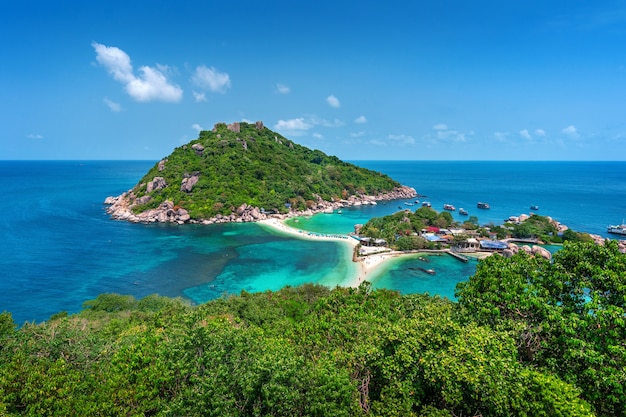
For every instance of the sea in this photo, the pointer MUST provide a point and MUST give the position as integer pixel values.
(59, 248)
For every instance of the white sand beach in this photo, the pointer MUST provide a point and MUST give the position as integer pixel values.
(367, 266)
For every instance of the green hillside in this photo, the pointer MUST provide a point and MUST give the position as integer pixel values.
(249, 164)
(526, 337)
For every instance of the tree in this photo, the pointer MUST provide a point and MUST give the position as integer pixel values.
(568, 315)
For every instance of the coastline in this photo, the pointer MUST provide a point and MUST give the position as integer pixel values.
(366, 267)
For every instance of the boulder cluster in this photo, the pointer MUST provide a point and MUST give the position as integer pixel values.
(121, 207)
(534, 250)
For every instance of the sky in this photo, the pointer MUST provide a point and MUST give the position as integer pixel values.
(368, 80)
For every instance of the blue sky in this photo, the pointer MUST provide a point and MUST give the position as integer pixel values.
(422, 80)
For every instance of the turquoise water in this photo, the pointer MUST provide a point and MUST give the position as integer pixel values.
(59, 248)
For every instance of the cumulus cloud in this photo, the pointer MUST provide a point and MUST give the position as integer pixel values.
(540, 132)
(401, 139)
(525, 134)
(501, 136)
(151, 84)
(113, 106)
(333, 101)
(317, 136)
(360, 120)
(211, 79)
(571, 132)
(199, 96)
(34, 136)
(357, 134)
(197, 127)
(282, 89)
(294, 127)
(444, 134)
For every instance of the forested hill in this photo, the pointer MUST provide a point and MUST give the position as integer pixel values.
(249, 165)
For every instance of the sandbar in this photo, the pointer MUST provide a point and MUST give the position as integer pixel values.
(367, 266)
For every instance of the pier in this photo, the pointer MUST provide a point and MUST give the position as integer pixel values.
(458, 256)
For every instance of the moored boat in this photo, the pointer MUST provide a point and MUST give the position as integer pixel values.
(449, 207)
(482, 205)
(534, 207)
(619, 229)
(426, 204)
(462, 211)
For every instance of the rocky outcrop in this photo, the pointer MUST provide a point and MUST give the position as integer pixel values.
(198, 149)
(121, 208)
(188, 183)
(157, 183)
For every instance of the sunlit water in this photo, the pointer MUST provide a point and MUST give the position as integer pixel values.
(59, 248)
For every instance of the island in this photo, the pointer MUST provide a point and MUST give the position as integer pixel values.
(244, 172)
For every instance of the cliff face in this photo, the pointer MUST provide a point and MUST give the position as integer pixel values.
(245, 172)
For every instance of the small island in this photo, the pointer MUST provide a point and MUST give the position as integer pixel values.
(243, 172)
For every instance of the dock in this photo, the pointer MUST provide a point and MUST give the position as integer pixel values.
(458, 256)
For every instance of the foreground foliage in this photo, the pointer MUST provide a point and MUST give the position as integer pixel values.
(527, 338)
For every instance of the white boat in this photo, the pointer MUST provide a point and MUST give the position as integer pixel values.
(408, 204)
(619, 229)
(463, 211)
(426, 204)
(449, 207)
(482, 205)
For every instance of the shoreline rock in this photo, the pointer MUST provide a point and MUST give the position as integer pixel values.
(120, 208)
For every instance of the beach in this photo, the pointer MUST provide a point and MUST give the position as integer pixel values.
(368, 265)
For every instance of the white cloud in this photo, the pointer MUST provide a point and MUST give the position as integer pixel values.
(360, 120)
(197, 127)
(199, 96)
(357, 134)
(211, 79)
(440, 126)
(402, 139)
(450, 135)
(571, 132)
(317, 136)
(327, 123)
(540, 132)
(282, 89)
(524, 133)
(501, 136)
(333, 101)
(34, 136)
(151, 84)
(294, 127)
(113, 106)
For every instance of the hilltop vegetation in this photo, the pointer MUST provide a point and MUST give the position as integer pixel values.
(528, 337)
(249, 164)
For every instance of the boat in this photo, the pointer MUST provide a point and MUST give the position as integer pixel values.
(426, 204)
(619, 229)
(482, 205)
(408, 203)
(449, 207)
(417, 201)
(534, 207)
(429, 271)
(462, 211)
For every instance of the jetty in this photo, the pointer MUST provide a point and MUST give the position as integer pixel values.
(458, 256)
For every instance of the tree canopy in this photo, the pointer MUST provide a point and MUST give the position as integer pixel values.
(527, 337)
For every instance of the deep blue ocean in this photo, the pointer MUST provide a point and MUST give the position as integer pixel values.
(59, 247)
